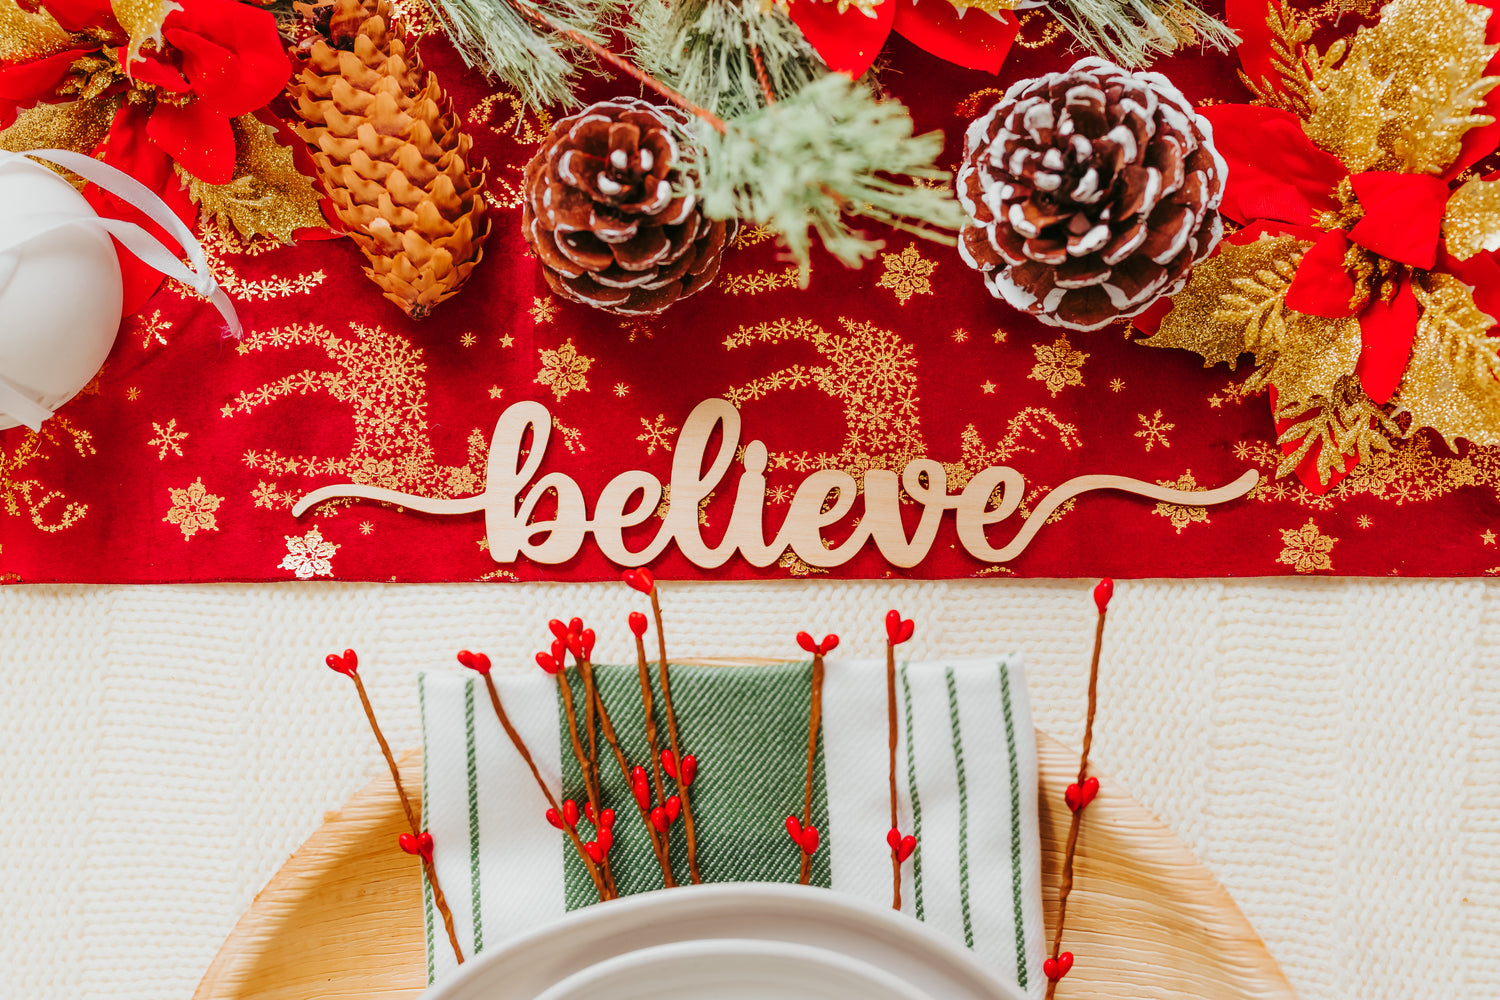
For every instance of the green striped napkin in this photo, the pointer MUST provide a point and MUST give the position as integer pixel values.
(967, 790)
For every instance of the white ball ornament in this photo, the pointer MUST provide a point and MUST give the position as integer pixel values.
(60, 288)
(60, 284)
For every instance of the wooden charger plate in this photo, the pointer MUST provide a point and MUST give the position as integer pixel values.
(343, 917)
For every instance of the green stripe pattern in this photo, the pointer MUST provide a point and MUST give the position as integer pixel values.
(963, 808)
(916, 800)
(427, 905)
(1015, 827)
(472, 760)
(748, 727)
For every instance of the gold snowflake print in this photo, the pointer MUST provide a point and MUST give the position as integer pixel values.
(564, 370)
(193, 509)
(621, 389)
(468, 340)
(1306, 549)
(168, 438)
(1363, 521)
(1116, 384)
(1058, 364)
(1181, 515)
(907, 274)
(543, 310)
(365, 527)
(133, 393)
(309, 555)
(1154, 430)
(656, 434)
(960, 335)
(154, 328)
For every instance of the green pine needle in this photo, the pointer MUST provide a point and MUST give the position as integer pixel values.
(800, 165)
(703, 49)
(1134, 32)
(492, 37)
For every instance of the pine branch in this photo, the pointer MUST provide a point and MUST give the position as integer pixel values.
(1134, 32)
(831, 149)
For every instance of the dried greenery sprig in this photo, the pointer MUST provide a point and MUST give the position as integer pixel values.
(1134, 32)
(707, 49)
(831, 149)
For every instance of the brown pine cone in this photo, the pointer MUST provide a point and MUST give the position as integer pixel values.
(1092, 193)
(391, 155)
(601, 215)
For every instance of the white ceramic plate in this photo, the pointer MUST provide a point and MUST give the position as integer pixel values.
(732, 970)
(912, 953)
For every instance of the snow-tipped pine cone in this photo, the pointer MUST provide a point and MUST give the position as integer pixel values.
(602, 216)
(1091, 194)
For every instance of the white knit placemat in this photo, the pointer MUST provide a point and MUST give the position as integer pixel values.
(1327, 747)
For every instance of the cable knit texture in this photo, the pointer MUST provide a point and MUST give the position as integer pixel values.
(1328, 748)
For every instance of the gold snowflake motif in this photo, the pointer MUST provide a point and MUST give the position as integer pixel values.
(564, 370)
(1058, 364)
(1306, 549)
(154, 328)
(381, 379)
(268, 496)
(656, 434)
(28, 497)
(1181, 515)
(960, 335)
(1116, 384)
(907, 273)
(621, 389)
(1154, 430)
(468, 340)
(133, 394)
(1364, 521)
(366, 527)
(219, 242)
(309, 555)
(543, 309)
(193, 509)
(760, 281)
(168, 438)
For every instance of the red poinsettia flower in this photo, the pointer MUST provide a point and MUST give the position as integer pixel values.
(849, 40)
(217, 60)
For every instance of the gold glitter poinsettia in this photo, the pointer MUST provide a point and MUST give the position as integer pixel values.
(1365, 282)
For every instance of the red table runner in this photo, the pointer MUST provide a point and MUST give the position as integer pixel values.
(184, 458)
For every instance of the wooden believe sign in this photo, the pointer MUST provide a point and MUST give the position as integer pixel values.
(511, 498)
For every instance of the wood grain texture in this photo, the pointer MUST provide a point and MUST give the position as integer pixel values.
(343, 917)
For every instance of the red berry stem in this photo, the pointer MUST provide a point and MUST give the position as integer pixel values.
(348, 664)
(892, 732)
(589, 784)
(814, 722)
(1103, 591)
(520, 744)
(666, 697)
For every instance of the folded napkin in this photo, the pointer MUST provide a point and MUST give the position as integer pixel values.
(967, 779)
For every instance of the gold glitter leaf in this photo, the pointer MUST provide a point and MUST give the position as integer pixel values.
(1408, 90)
(267, 194)
(1342, 423)
(1291, 57)
(1232, 303)
(1472, 222)
(142, 20)
(77, 125)
(25, 36)
(1451, 383)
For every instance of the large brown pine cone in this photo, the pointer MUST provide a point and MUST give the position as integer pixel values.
(601, 214)
(391, 155)
(1091, 193)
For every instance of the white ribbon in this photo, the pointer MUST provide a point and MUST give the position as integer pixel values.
(14, 402)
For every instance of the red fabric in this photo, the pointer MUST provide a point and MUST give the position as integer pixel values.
(1275, 172)
(1386, 330)
(331, 374)
(848, 42)
(976, 40)
(1403, 218)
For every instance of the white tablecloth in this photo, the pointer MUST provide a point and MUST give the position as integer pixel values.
(1329, 748)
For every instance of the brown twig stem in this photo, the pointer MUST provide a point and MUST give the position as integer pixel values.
(814, 722)
(1065, 883)
(590, 785)
(521, 748)
(666, 696)
(658, 846)
(890, 712)
(619, 62)
(438, 898)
